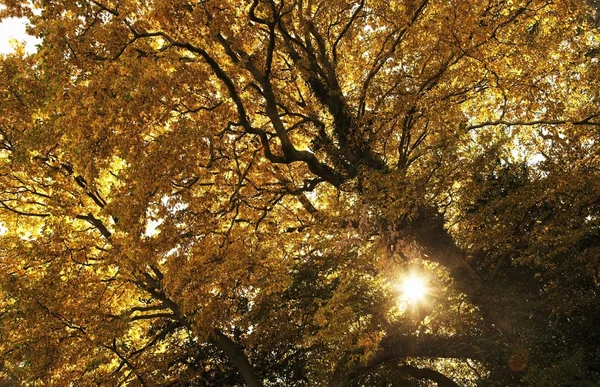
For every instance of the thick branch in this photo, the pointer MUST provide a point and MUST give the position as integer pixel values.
(585, 121)
(319, 74)
(237, 357)
(291, 154)
(426, 373)
(346, 29)
(235, 354)
(429, 232)
(439, 246)
(382, 57)
(403, 346)
(97, 223)
(4, 205)
(151, 316)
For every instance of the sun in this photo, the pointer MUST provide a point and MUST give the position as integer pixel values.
(414, 289)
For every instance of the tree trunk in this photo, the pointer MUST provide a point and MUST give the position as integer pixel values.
(429, 233)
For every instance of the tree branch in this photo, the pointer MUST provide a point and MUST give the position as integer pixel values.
(427, 373)
(585, 121)
(236, 356)
(398, 347)
(97, 223)
(291, 154)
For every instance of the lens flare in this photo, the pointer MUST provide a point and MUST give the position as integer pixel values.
(413, 289)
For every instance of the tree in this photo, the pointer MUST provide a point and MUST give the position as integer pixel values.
(226, 193)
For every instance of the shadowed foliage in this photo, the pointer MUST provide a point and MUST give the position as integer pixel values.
(220, 193)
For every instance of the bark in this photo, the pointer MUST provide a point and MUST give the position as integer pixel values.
(402, 347)
(429, 233)
(425, 373)
(234, 353)
(237, 357)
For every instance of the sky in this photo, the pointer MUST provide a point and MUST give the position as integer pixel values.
(14, 29)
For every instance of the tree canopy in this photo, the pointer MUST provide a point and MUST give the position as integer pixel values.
(205, 193)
